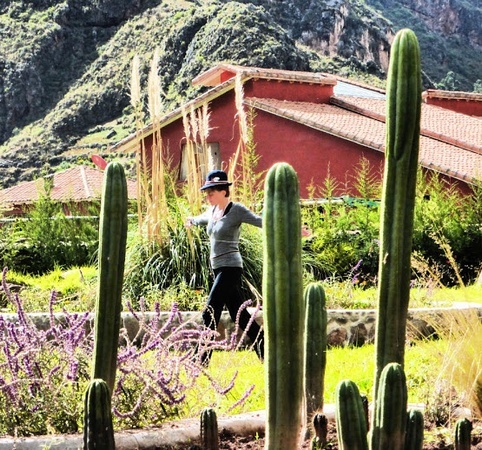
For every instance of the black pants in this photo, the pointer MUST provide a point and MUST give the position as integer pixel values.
(226, 290)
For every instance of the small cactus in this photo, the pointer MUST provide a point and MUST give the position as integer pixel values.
(314, 347)
(98, 428)
(463, 431)
(414, 437)
(320, 427)
(390, 418)
(350, 417)
(209, 430)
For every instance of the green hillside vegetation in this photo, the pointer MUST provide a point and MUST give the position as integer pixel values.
(65, 65)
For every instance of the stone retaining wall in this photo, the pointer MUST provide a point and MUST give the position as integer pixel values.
(345, 327)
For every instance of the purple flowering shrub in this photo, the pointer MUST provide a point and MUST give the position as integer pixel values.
(45, 369)
(43, 372)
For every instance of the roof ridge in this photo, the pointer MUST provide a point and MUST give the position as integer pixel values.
(206, 78)
(337, 101)
(461, 95)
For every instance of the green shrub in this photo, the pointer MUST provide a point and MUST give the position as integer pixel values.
(74, 288)
(47, 238)
(156, 270)
(448, 231)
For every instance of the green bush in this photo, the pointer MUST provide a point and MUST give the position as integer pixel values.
(448, 231)
(344, 241)
(180, 258)
(158, 271)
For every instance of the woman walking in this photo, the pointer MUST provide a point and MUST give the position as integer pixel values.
(223, 221)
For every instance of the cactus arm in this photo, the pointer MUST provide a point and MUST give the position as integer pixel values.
(98, 429)
(398, 198)
(283, 308)
(390, 419)
(350, 417)
(112, 248)
(314, 347)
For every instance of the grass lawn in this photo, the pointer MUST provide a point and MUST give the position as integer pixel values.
(423, 364)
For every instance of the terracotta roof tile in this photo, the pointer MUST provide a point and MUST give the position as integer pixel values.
(437, 122)
(81, 183)
(369, 130)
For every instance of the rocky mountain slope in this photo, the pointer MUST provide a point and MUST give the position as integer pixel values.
(65, 65)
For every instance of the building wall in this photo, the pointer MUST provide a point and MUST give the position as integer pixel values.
(291, 91)
(312, 154)
(467, 107)
(315, 155)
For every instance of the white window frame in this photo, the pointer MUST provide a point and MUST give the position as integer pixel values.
(206, 163)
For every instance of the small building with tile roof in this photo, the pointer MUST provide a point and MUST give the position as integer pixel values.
(78, 186)
(321, 124)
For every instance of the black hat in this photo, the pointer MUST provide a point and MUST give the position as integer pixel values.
(216, 178)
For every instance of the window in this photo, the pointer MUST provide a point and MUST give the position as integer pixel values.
(207, 157)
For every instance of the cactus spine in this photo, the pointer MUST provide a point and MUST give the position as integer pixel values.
(351, 424)
(398, 199)
(414, 438)
(390, 419)
(98, 429)
(209, 430)
(112, 249)
(463, 432)
(283, 308)
(315, 347)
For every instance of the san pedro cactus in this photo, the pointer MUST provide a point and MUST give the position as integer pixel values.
(315, 347)
(112, 248)
(283, 309)
(390, 418)
(463, 432)
(209, 430)
(414, 437)
(398, 199)
(98, 429)
(351, 424)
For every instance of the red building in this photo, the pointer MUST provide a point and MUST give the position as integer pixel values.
(78, 187)
(320, 124)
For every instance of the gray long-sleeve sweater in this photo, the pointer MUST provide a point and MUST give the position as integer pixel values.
(224, 233)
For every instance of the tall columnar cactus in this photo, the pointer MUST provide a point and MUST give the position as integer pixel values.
(398, 198)
(112, 248)
(209, 429)
(98, 429)
(414, 438)
(463, 434)
(351, 423)
(283, 309)
(315, 347)
(390, 419)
